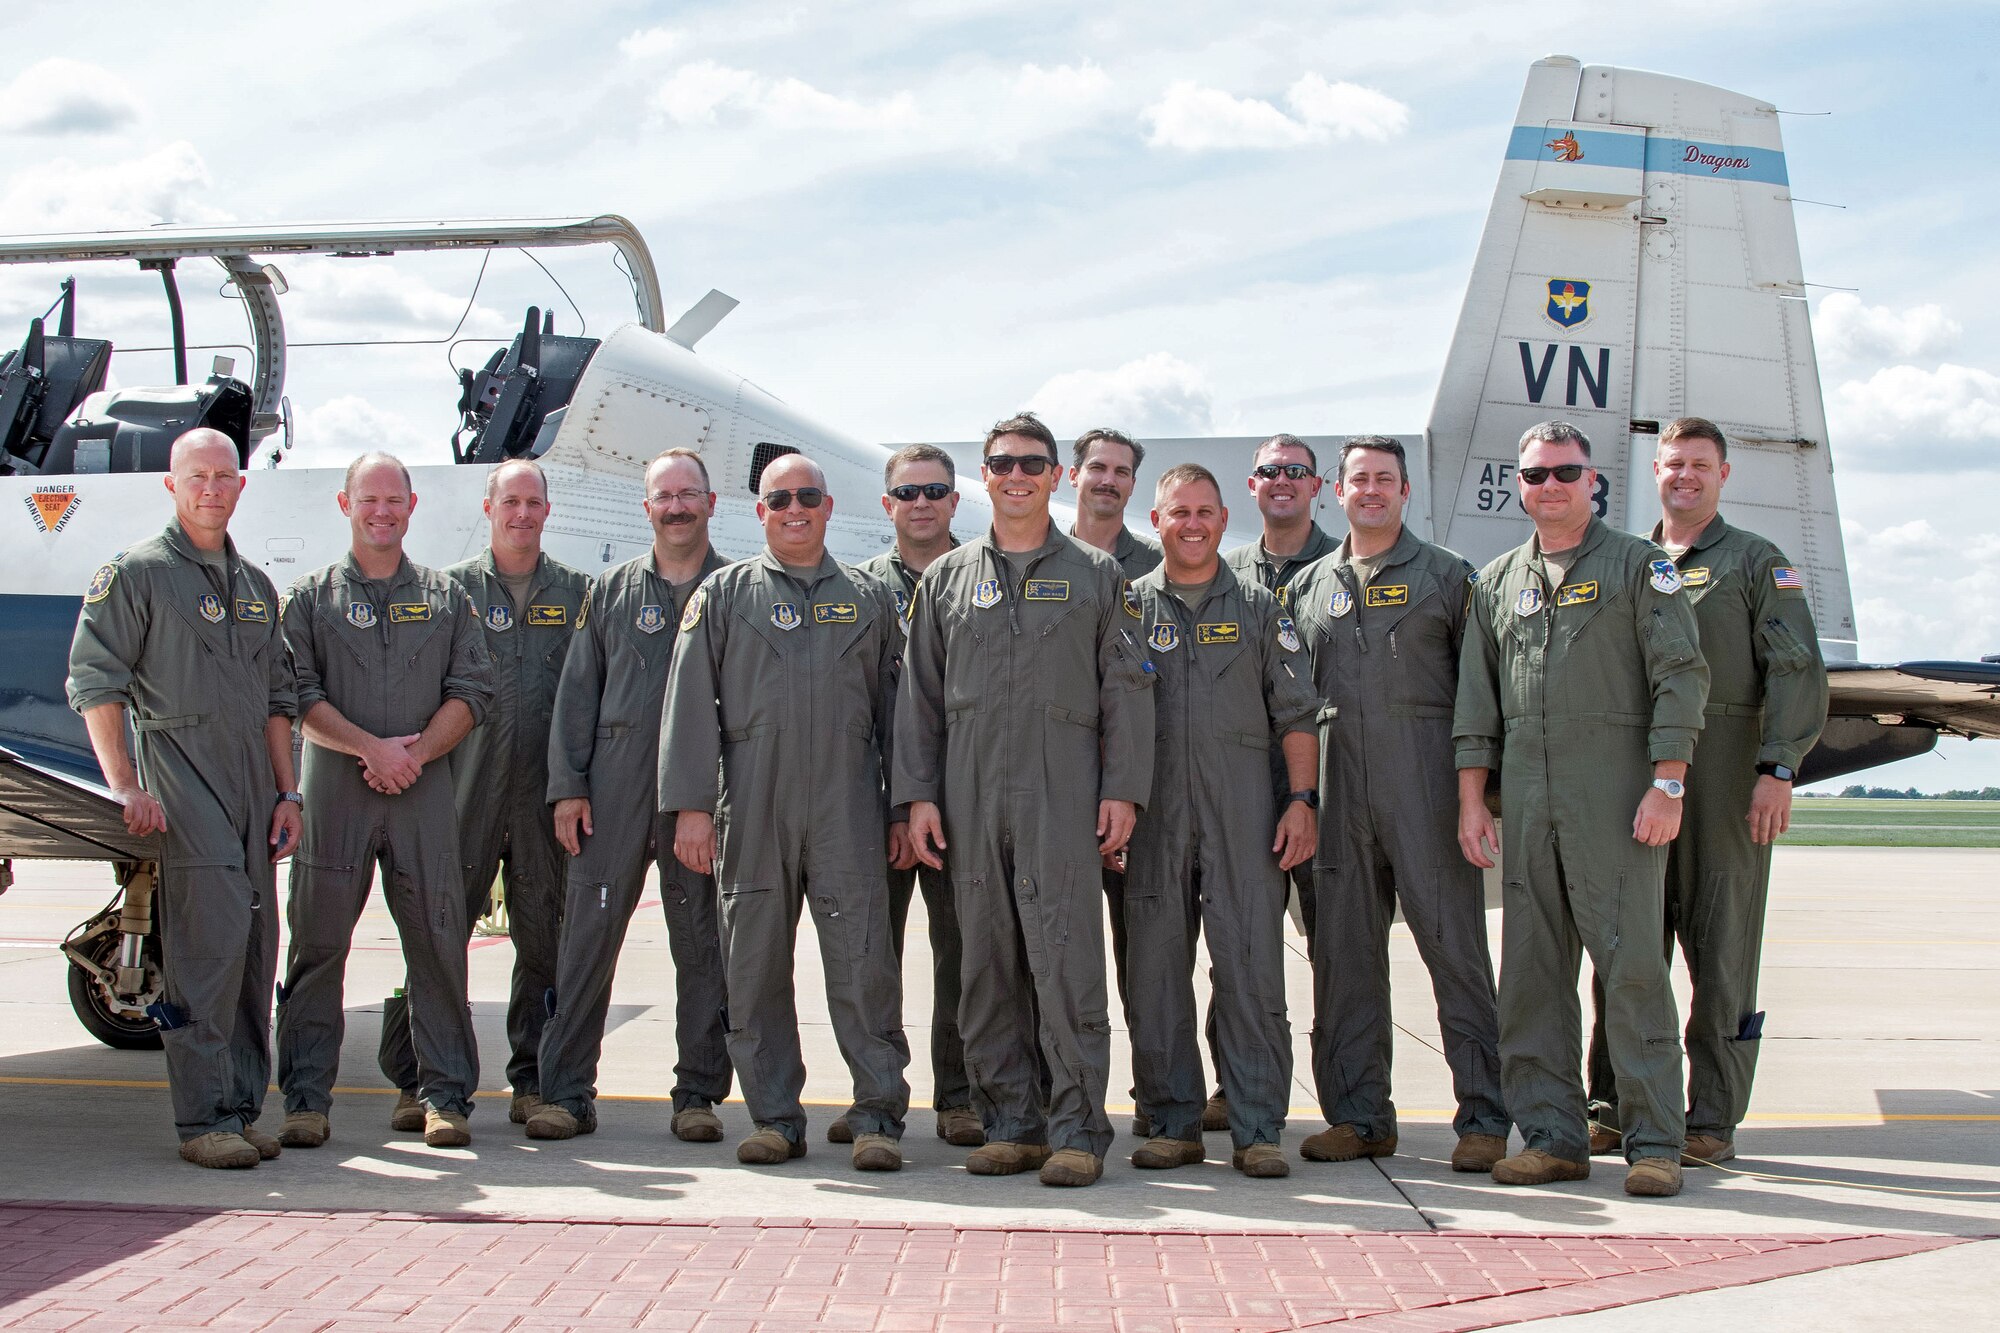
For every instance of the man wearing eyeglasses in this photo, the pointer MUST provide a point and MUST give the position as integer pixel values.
(604, 739)
(1383, 617)
(920, 495)
(785, 677)
(1582, 680)
(1766, 705)
(1024, 743)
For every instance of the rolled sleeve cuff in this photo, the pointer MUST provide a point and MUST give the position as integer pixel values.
(908, 791)
(89, 699)
(310, 699)
(1305, 726)
(1670, 744)
(1475, 754)
(1785, 756)
(475, 700)
(568, 787)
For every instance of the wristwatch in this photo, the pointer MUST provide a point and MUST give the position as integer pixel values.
(1673, 787)
(296, 798)
(1778, 771)
(1311, 798)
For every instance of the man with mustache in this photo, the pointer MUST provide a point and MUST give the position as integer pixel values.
(604, 752)
(1105, 469)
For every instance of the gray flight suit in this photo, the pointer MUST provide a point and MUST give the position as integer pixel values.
(1385, 659)
(604, 744)
(499, 778)
(1573, 693)
(788, 687)
(387, 656)
(1136, 556)
(1232, 681)
(198, 658)
(1766, 705)
(1025, 701)
(949, 1086)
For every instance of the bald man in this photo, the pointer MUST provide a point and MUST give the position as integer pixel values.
(785, 677)
(182, 633)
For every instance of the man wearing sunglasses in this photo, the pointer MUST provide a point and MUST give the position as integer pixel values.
(1581, 680)
(604, 739)
(1024, 743)
(784, 676)
(1383, 618)
(920, 495)
(1766, 705)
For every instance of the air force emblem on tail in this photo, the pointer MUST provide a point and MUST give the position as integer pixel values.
(1569, 302)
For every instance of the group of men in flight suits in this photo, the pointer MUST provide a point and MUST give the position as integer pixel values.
(1022, 726)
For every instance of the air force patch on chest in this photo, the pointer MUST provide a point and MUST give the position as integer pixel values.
(785, 615)
(986, 593)
(499, 618)
(1340, 603)
(1288, 634)
(210, 607)
(652, 618)
(1047, 590)
(1664, 577)
(1164, 638)
(361, 615)
(1529, 602)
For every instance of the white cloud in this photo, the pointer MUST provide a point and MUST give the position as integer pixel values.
(650, 43)
(1911, 418)
(1849, 330)
(1195, 119)
(62, 96)
(332, 433)
(697, 94)
(1063, 84)
(1157, 394)
(165, 185)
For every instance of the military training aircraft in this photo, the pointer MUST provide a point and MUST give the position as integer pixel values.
(1639, 263)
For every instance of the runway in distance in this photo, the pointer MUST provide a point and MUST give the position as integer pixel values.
(1639, 262)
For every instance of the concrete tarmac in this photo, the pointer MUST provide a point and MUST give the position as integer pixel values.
(1877, 1105)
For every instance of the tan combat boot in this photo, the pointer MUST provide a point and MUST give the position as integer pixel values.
(876, 1152)
(304, 1129)
(1654, 1178)
(1215, 1114)
(699, 1124)
(1532, 1166)
(221, 1150)
(407, 1117)
(523, 1105)
(1343, 1143)
(1261, 1161)
(1163, 1154)
(1709, 1148)
(960, 1127)
(1001, 1158)
(446, 1129)
(768, 1146)
(1477, 1152)
(1071, 1167)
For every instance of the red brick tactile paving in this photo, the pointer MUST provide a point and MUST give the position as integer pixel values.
(101, 1268)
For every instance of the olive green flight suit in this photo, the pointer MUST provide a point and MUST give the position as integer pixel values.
(387, 656)
(1026, 700)
(1766, 705)
(198, 658)
(604, 744)
(788, 687)
(1136, 556)
(1573, 693)
(1385, 658)
(499, 778)
(1232, 680)
(949, 1088)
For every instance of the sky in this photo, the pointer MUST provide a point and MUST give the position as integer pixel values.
(1185, 217)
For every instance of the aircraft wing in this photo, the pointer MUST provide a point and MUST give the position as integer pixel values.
(1958, 698)
(45, 815)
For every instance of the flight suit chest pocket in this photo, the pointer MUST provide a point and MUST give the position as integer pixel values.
(419, 629)
(1582, 603)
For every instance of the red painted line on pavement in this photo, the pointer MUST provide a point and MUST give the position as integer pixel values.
(78, 1266)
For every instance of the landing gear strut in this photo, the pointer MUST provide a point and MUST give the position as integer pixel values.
(114, 964)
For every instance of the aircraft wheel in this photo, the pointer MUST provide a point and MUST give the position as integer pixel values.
(104, 1017)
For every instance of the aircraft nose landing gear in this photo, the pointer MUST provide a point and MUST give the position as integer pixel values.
(114, 965)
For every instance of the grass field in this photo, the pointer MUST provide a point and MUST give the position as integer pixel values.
(1840, 821)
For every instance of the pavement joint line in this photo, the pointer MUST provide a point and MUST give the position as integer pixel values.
(1418, 1115)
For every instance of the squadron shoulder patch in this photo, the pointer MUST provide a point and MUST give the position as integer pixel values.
(1131, 600)
(100, 583)
(986, 593)
(361, 615)
(256, 611)
(1575, 594)
(1664, 577)
(1529, 602)
(409, 613)
(1285, 597)
(1046, 590)
(499, 618)
(652, 617)
(1225, 631)
(583, 611)
(1288, 634)
(548, 615)
(1164, 638)
(902, 604)
(1394, 594)
(835, 613)
(210, 607)
(785, 615)
(1339, 603)
(691, 614)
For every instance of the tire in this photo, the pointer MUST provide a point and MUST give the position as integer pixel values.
(121, 1032)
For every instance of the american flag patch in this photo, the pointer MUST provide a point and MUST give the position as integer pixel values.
(1787, 577)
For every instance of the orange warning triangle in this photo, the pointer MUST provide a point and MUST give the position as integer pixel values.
(53, 507)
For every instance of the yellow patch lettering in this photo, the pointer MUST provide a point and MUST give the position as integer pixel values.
(1227, 631)
(1396, 594)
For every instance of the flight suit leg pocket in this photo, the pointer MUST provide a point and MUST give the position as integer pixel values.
(323, 904)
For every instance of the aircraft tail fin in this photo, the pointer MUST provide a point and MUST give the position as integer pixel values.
(1640, 263)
